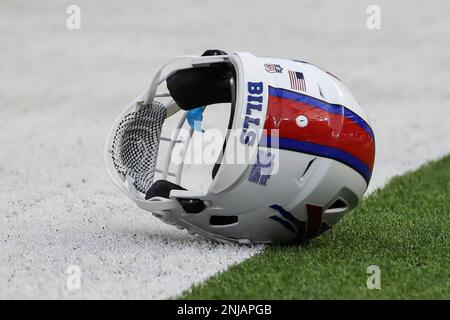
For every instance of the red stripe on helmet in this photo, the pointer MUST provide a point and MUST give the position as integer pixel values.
(324, 128)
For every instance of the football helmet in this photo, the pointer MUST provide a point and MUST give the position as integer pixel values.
(308, 148)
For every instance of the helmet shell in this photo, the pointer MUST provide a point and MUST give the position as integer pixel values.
(324, 157)
(308, 145)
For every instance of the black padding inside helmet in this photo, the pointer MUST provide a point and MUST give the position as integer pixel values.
(214, 52)
(162, 188)
(201, 86)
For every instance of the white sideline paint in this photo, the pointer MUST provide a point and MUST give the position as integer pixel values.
(60, 90)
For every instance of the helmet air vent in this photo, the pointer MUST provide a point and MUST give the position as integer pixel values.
(337, 206)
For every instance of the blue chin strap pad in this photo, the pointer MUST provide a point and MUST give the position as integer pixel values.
(195, 118)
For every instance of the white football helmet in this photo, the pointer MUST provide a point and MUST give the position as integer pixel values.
(309, 149)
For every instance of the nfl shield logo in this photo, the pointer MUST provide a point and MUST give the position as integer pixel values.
(273, 68)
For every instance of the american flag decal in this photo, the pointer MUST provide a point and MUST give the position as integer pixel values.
(297, 81)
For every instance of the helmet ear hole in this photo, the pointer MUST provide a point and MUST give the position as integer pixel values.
(222, 220)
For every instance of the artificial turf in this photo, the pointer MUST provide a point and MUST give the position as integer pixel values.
(403, 228)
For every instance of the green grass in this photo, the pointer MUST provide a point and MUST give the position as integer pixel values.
(404, 228)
